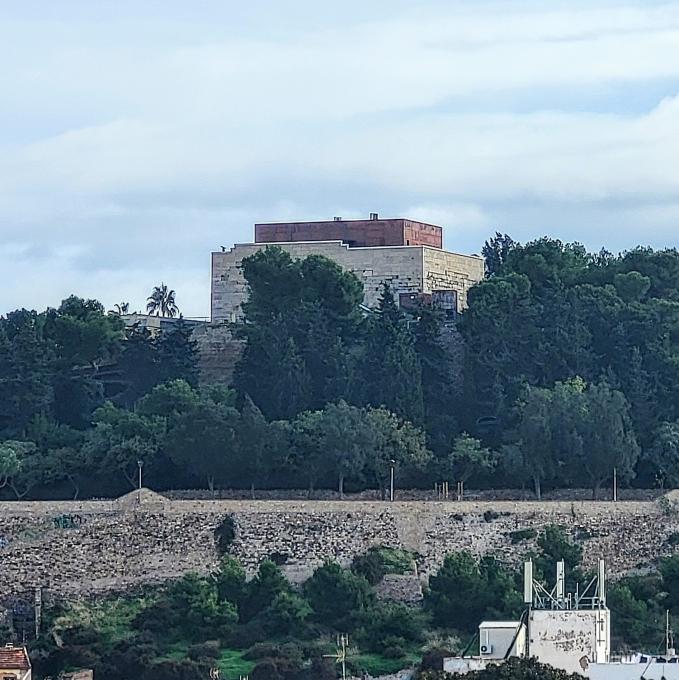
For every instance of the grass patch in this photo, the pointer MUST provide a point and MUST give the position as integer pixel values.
(374, 664)
(396, 561)
(110, 617)
(232, 665)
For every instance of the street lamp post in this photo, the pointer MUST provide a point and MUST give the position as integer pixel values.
(391, 480)
(140, 465)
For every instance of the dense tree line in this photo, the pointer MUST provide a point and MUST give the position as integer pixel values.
(570, 372)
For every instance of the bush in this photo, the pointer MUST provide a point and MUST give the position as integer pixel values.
(490, 515)
(464, 592)
(225, 535)
(175, 670)
(370, 566)
(392, 625)
(204, 650)
(432, 660)
(375, 564)
(337, 595)
(522, 535)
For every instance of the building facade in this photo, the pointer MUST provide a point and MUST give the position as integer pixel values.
(405, 260)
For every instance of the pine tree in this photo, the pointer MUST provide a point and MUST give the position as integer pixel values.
(391, 373)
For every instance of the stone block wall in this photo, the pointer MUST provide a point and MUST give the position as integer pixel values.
(408, 269)
(114, 546)
(444, 270)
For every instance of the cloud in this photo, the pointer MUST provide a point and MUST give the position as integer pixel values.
(135, 142)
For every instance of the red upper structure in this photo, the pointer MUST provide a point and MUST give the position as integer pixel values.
(14, 658)
(357, 233)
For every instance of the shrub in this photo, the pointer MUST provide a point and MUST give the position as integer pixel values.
(204, 650)
(432, 660)
(379, 561)
(490, 515)
(225, 534)
(336, 594)
(522, 535)
(369, 565)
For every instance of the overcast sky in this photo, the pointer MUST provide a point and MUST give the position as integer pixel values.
(138, 135)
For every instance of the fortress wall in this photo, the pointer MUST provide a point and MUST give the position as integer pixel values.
(112, 545)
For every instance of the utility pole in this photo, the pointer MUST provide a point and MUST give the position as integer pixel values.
(140, 465)
(391, 480)
(615, 484)
(341, 655)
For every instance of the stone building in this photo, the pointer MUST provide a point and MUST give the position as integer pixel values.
(406, 254)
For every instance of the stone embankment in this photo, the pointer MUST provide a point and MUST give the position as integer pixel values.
(79, 548)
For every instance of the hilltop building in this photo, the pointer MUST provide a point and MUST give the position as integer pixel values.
(406, 254)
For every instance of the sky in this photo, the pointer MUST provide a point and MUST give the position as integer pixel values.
(136, 136)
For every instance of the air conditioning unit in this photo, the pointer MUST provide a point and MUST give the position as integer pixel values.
(487, 649)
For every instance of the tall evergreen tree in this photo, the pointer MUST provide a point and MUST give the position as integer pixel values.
(390, 372)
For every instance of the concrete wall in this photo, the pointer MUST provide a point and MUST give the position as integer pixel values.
(413, 269)
(570, 639)
(117, 545)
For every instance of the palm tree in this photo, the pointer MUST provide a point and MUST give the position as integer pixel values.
(161, 302)
(120, 308)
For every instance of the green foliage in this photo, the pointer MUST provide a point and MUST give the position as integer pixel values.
(577, 432)
(555, 546)
(464, 592)
(390, 370)
(520, 535)
(469, 458)
(225, 534)
(296, 307)
(379, 561)
(391, 629)
(337, 596)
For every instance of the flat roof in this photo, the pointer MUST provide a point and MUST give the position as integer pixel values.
(357, 220)
(499, 624)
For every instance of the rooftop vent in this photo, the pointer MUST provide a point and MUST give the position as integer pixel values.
(374, 216)
(336, 219)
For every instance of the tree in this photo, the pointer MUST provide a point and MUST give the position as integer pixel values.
(202, 441)
(294, 308)
(162, 302)
(532, 450)
(496, 252)
(390, 372)
(265, 587)
(253, 438)
(176, 354)
(231, 581)
(395, 442)
(663, 456)
(120, 438)
(556, 547)
(340, 434)
(439, 379)
(120, 308)
(468, 458)
(26, 367)
(608, 438)
(464, 592)
(12, 454)
(337, 596)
